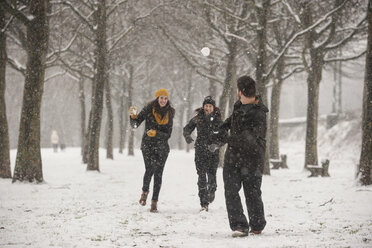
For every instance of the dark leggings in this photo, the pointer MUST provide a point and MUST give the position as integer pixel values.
(206, 167)
(154, 165)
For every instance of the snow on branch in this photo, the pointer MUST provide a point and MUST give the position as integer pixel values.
(7, 24)
(345, 58)
(83, 18)
(16, 65)
(289, 8)
(302, 32)
(115, 7)
(348, 37)
(16, 12)
(66, 48)
(58, 74)
(125, 32)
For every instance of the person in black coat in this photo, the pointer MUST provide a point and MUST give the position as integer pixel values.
(244, 159)
(158, 116)
(207, 122)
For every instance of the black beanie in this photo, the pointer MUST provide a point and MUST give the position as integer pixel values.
(209, 100)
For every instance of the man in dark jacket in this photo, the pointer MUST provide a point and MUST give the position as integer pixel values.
(207, 122)
(244, 159)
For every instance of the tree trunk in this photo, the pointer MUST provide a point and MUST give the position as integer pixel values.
(181, 140)
(5, 171)
(86, 140)
(28, 162)
(82, 115)
(313, 81)
(189, 105)
(262, 13)
(212, 83)
(122, 129)
(130, 103)
(110, 123)
(365, 164)
(230, 76)
(275, 110)
(100, 79)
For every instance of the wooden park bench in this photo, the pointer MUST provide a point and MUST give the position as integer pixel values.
(319, 170)
(279, 163)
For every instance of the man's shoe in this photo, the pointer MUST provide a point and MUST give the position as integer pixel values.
(255, 232)
(238, 233)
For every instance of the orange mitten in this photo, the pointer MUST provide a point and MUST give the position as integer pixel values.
(151, 133)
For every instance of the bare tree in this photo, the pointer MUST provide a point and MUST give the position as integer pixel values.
(365, 164)
(28, 163)
(317, 44)
(4, 134)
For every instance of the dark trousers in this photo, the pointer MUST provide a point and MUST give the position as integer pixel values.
(154, 166)
(234, 178)
(206, 167)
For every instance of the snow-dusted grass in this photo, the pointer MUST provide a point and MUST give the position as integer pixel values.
(77, 208)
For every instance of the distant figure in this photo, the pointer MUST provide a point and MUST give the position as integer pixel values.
(54, 139)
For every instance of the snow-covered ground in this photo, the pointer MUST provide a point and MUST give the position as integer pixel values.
(76, 208)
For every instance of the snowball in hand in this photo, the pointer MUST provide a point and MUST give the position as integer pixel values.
(205, 51)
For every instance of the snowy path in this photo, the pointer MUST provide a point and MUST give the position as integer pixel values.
(76, 208)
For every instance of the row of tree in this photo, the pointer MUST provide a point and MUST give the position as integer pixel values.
(101, 42)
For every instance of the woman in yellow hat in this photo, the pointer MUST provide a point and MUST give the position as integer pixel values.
(158, 116)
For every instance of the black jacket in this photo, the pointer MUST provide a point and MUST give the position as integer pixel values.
(207, 128)
(159, 143)
(246, 141)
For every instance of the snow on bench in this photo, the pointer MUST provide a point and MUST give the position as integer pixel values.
(279, 163)
(319, 170)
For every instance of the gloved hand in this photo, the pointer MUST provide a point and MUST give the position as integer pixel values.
(133, 112)
(213, 147)
(151, 133)
(189, 140)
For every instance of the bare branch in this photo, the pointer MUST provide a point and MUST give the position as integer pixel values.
(83, 18)
(115, 7)
(125, 32)
(302, 32)
(345, 58)
(16, 65)
(15, 12)
(347, 38)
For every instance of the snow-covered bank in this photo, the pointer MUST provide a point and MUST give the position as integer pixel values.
(76, 208)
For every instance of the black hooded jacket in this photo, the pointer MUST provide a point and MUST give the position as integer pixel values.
(207, 127)
(163, 132)
(247, 138)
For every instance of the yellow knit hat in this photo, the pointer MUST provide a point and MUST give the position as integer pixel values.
(161, 92)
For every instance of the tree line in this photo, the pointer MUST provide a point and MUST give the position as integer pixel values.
(114, 45)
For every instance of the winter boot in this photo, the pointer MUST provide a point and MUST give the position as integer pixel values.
(204, 208)
(238, 233)
(255, 232)
(143, 198)
(154, 206)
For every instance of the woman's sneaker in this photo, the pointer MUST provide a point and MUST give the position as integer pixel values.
(204, 208)
(240, 233)
(255, 232)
